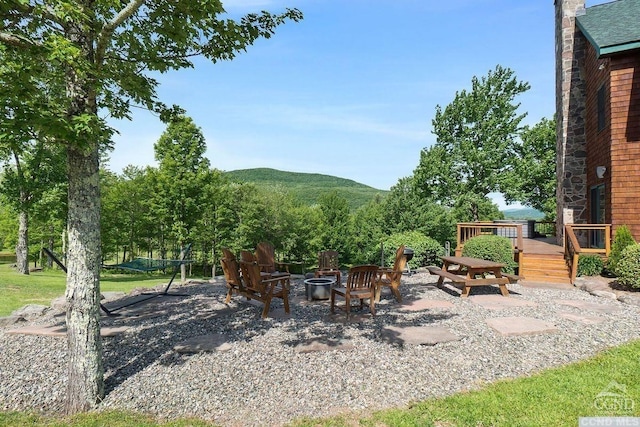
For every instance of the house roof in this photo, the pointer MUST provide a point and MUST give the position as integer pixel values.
(612, 27)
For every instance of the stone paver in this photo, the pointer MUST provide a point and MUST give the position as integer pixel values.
(582, 318)
(324, 345)
(204, 343)
(498, 302)
(425, 304)
(61, 331)
(590, 306)
(513, 326)
(417, 335)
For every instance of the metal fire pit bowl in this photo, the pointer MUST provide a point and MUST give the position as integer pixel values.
(319, 288)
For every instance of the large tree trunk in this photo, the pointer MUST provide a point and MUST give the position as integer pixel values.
(183, 267)
(22, 247)
(85, 385)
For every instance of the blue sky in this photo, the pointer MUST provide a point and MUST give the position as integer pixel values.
(350, 90)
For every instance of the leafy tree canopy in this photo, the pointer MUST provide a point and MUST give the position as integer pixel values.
(475, 143)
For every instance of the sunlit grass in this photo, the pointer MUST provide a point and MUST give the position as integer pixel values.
(555, 397)
(41, 287)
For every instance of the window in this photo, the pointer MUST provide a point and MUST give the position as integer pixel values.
(602, 121)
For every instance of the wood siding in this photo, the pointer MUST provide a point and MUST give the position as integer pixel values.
(617, 146)
(625, 142)
(598, 147)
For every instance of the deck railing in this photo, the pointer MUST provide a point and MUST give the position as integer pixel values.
(468, 230)
(544, 228)
(585, 239)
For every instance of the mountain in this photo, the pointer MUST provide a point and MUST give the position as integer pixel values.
(307, 187)
(523, 213)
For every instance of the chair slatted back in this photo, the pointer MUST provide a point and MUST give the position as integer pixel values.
(231, 271)
(401, 260)
(328, 260)
(251, 274)
(362, 277)
(265, 255)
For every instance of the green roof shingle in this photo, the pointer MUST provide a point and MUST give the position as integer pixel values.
(612, 27)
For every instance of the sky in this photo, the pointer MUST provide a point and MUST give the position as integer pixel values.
(351, 90)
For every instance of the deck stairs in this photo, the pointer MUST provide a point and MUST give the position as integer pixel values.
(543, 262)
(545, 268)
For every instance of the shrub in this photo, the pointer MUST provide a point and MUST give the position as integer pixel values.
(590, 265)
(621, 240)
(426, 251)
(492, 248)
(628, 267)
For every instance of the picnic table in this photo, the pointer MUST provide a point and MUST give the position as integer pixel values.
(469, 272)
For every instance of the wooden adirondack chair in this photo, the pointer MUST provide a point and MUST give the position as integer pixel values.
(361, 283)
(266, 257)
(391, 277)
(328, 265)
(264, 288)
(231, 271)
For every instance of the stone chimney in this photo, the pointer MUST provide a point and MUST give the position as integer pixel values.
(571, 192)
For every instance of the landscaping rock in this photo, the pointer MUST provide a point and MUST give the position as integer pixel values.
(31, 310)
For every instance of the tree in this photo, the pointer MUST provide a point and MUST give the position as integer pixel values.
(336, 224)
(31, 165)
(101, 53)
(180, 179)
(407, 208)
(36, 169)
(532, 180)
(475, 143)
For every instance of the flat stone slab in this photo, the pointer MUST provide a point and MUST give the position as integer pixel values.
(425, 304)
(61, 331)
(590, 306)
(204, 343)
(498, 302)
(514, 326)
(316, 345)
(417, 335)
(584, 319)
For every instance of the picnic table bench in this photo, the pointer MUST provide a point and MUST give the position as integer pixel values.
(470, 272)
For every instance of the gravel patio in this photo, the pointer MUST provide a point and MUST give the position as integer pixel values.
(196, 356)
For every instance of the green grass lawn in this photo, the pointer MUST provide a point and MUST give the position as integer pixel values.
(18, 290)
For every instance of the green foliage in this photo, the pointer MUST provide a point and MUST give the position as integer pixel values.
(492, 248)
(425, 249)
(532, 179)
(407, 209)
(307, 187)
(367, 232)
(336, 224)
(621, 240)
(475, 144)
(590, 265)
(628, 266)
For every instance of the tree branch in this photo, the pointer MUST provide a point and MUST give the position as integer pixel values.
(107, 30)
(17, 41)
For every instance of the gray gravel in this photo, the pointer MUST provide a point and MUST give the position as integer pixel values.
(263, 379)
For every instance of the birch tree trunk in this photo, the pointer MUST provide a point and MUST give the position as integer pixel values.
(22, 247)
(85, 385)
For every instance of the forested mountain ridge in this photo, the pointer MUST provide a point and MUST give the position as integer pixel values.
(307, 187)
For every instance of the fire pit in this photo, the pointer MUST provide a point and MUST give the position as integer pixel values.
(318, 288)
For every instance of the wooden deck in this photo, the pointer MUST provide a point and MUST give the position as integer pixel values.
(542, 246)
